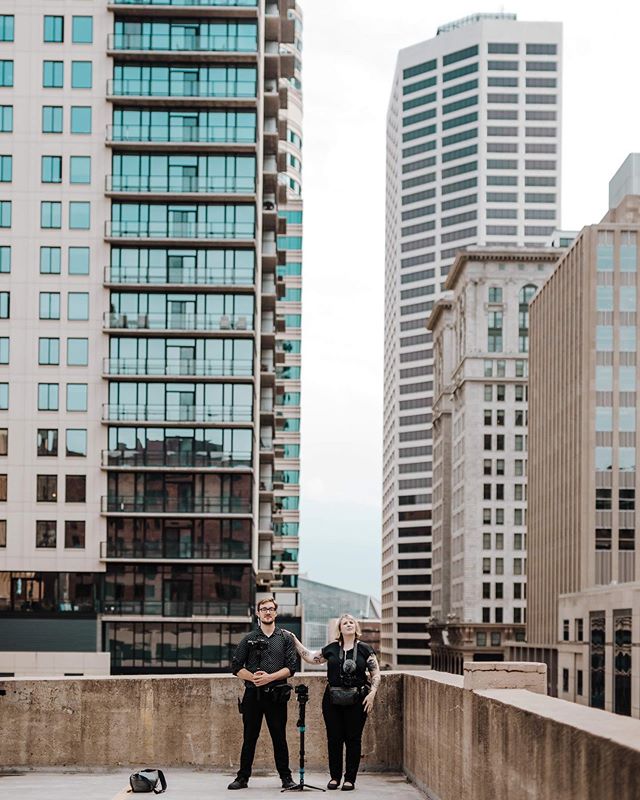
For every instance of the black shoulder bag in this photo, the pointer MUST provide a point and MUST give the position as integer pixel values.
(147, 780)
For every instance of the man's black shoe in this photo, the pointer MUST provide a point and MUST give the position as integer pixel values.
(288, 783)
(239, 783)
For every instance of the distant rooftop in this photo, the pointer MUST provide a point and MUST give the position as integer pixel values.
(473, 18)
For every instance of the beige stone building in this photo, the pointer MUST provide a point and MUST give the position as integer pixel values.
(480, 340)
(584, 594)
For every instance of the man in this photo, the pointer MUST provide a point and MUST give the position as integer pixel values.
(264, 659)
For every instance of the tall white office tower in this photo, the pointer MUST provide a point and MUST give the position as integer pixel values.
(473, 157)
(150, 285)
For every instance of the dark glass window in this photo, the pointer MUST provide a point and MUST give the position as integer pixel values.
(46, 488)
(76, 488)
(47, 441)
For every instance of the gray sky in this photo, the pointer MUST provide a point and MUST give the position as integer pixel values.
(350, 49)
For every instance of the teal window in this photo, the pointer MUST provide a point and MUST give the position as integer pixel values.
(419, 69)
(80, 119)
(4, 396)
(459, 72)
(80, 169)
(51, 169)
(52, 74)
(292, 320)
(5, 213)
(49, 305)
(78, 260)
(48, 351)
(448, 108)
(50, 258)
(6, 169)
(604, 418)
(419, 85)
(494, 332)
(292, 217)
(151, 125)
(289, 503)
(628, 251)
(77, 394)
(288, 373)
(291, 424)
(292, 295)
(627, 459)
(5, 258)
(495, 294)
(4, 350)
(459, 88)
(289, 475)
(82, 30)
(78, 306)
(627, 382)
(413, 118)
(6, 119)
(627, 338)
(207, 221)
(79, 215)
(604, 338)
(53, 29)
(291, 346)
(50, 214)
(293, 268)
(294, 138)
(76, 442)
(48, 396)
(627, 298)
(289, 242)
(7, 27)
(460, 55)
(77, 352)
(604, 298)
(465, 119)
(627, 418)
(5, 305)
(604, 379)
(422, 100)
(291, 451)
(81, 74)
(6, 73)
(52, 119)
(210, 35)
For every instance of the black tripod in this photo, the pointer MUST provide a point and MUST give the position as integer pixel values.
(302, 696)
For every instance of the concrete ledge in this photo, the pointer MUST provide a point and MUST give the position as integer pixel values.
(505, 675)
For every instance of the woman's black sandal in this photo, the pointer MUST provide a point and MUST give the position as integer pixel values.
(347, 786)
(333, 784)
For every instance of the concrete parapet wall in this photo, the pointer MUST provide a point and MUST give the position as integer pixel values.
(187, 720)
(512, 744)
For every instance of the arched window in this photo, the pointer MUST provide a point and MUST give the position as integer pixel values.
(525, 296)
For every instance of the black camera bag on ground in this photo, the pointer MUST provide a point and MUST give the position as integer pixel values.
(147, 780)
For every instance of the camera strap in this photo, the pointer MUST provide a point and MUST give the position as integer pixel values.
(343, 656)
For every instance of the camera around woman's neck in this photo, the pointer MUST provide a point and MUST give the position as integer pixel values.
(348, 641)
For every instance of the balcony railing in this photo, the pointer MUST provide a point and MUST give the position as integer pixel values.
(188, 367)
(181, 184)
(134, 229)
(182, 42)
(180, 322)
(186, 3)
(205, 459)
(190, 134)
(211, 276)
(152, 87)
(166, 504)
(158, 413)
(176, 609)
(175, 550)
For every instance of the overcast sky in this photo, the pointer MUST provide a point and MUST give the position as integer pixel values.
(350, 49)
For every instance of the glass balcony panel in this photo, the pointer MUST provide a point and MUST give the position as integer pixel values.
(180, 321)
(184, 367)
(183, 40)
(178, 413)
(209, 134)
(188, 3)
(199, 459)
(179, 86)
(193, 184)
(179, 229)
(240, 276)
(225, 504)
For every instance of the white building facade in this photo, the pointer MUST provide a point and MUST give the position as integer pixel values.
(473, 157)
(150, 250)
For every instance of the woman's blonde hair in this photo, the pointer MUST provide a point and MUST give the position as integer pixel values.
(337, 634)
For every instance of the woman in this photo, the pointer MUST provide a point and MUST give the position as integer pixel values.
(348, 698)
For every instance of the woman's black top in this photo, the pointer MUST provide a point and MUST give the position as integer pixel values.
(331, 653)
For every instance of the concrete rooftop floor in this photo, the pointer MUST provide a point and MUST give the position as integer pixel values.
(184, 785)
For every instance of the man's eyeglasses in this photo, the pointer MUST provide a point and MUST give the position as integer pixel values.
(270, 609)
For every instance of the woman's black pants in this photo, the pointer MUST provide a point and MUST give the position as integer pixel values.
(344, 732)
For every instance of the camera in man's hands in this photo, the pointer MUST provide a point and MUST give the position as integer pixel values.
(302, 693)
(259, 644)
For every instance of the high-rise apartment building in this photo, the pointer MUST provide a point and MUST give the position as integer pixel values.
(150, 271)
(584, 595)
(480, 331)
(473, 158)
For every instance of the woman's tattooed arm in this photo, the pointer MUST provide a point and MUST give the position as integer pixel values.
(310, 656)
(374, 671)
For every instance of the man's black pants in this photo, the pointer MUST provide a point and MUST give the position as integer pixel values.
(257, 704)
(344, 731)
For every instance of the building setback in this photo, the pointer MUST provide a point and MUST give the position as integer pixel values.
(150, 262)
(473, 158)
(584, 595)
(480, 333)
